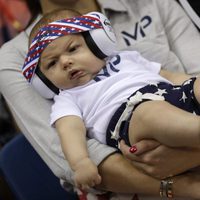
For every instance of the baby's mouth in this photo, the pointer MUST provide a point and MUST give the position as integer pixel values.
(75, 74)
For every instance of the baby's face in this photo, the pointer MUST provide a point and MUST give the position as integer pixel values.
(68, 62)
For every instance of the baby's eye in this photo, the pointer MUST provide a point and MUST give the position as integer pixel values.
(73, 48)
(51, 64)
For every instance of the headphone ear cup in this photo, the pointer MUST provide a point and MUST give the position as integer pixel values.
(42, 88)
(102, 42)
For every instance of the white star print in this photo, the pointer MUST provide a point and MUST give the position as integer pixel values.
(187, 82)
(114, 135)
(76, 21)
(194, 112)
(161, 92)
(183, 98)
(191, 92)
(176, 88)
(62, 29)
(155, 84)
(96, 22)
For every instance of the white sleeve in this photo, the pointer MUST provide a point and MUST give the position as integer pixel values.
(183, 36)
(32, 112)
(64, 106)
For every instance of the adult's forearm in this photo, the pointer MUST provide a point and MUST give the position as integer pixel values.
(119, 175)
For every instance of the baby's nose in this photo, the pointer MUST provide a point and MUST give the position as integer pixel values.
(65, 61)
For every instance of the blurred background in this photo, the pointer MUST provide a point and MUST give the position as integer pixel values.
(14, 17)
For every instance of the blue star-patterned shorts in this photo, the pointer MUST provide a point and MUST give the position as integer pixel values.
(182, 96)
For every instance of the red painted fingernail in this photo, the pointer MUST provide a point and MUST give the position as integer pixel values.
(133, 149)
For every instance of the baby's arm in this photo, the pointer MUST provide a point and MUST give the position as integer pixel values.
(72, 134)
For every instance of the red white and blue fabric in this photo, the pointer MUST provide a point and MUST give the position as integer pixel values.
(53, 31)
(82, 195)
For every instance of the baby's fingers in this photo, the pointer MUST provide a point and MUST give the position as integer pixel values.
(85, 187)
(97, 181)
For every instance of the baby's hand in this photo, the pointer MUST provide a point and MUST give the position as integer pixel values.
(86, 174)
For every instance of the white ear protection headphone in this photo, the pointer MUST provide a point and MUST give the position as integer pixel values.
(101, 41)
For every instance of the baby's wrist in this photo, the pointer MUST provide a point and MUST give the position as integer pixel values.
(80, 164)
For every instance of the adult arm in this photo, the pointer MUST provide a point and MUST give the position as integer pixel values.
(183, 36)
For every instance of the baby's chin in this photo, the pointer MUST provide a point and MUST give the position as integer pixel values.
(78, 84)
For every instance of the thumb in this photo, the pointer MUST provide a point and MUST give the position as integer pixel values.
(144, 146)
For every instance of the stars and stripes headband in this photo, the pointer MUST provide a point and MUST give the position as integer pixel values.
(53, 31)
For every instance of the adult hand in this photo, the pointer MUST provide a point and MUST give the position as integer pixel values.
(161, 161)
(139, 148)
